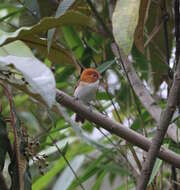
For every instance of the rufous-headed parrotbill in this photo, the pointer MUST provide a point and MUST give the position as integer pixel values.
(87, 88)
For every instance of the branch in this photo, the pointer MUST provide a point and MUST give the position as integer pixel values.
(157, 140)
(105, 122)
(142, 93)
(115, 128)
(153, 109)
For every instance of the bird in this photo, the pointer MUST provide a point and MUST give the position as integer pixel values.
(87, 88)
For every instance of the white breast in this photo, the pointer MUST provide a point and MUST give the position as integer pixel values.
(86, 92)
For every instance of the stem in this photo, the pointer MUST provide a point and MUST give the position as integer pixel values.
(68, 163)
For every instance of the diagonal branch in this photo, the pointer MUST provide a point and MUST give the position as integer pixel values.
(106, 123)
(115, 128)
(144, 96)
(164, 122)
(155, 112)
(142, 93)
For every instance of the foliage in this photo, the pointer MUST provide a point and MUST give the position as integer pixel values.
(45, 40)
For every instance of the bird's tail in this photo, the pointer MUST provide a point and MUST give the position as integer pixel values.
(79, 118)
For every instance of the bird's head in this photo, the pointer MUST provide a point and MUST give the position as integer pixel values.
(90, 75)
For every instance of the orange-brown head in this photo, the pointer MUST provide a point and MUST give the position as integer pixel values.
(90, 75)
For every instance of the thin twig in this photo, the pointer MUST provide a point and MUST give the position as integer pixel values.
(110, 34)
(114, 106)
(116, 146)
(157, 140)
(105, 122)
(68, 163)
(153, 34)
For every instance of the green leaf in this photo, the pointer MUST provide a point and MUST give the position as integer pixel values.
(43, 181)
(102, 96)
(104, 66)
(90, 171)
(141, 63)
(124, 22)
(97, 184)
(67, 176)
(69, 18)
(57, 167)
(125, 186)
(63, 73)
(73, 41)
(65, 148)
(155, 171)
(114, 168)
(11, 14)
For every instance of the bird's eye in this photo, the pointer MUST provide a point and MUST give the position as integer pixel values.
(94, 75)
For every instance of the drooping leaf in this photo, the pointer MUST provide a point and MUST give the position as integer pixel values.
(39, 77)
(70, 17)
(124, 22)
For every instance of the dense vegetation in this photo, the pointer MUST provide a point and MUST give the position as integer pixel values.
(44, 46)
